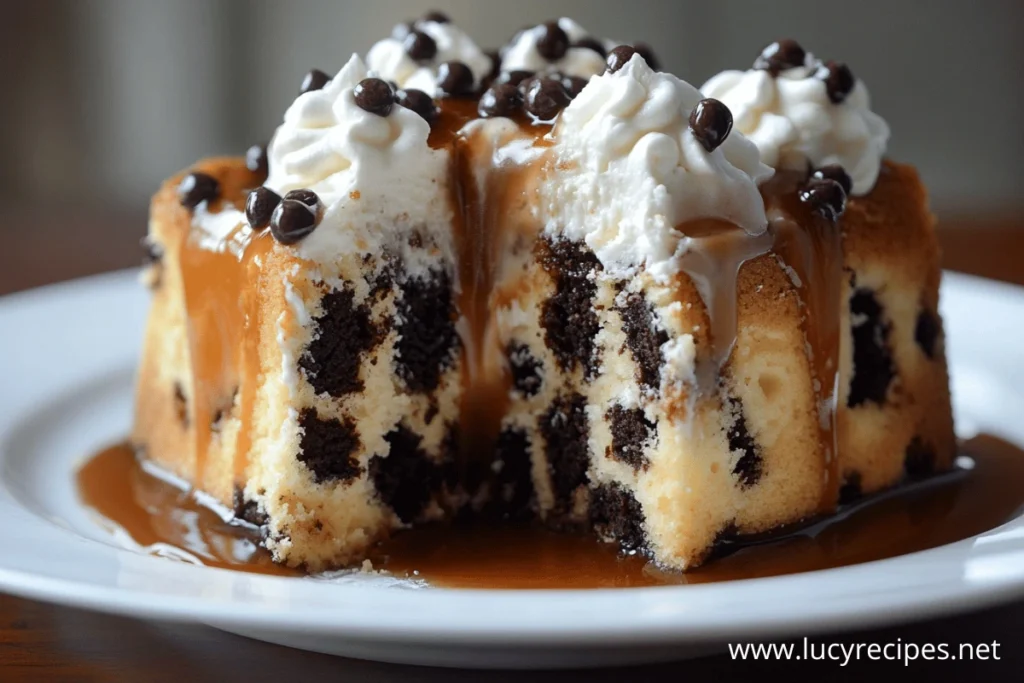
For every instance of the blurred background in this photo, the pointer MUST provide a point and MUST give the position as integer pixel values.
(102, 99)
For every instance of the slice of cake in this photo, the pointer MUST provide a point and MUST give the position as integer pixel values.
(301, 364)
(894, 415)
(554, 283)
(673, 351)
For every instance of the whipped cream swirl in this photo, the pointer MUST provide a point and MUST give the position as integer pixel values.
(389, 59)
(583, 62)
(354, 160)
(793, 122)
(628, 172)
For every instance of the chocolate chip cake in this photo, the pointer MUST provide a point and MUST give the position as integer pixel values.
(550, 283)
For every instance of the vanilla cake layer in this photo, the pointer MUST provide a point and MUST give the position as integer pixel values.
(895, 415)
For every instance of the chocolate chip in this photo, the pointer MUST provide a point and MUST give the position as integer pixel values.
(427, 338)
(553, 42)
(455, 79)
(592, 43)
(545, 98)
(437, 17)
(256, 159)
(615, 513)
(196, 188)
(314, 80)
(513, 77)
(779, 56)
(501, 100)
(566, 433)
(873, 366)
(307, 197)
(419, 46)
(837, 173)
(375, 96)
(405, 477)
(710, 122)
(748, 468)
(327, 447)
(927, 331)
(839, 80)
(825, 196)
(647, 52)
(618, 57)
(643, 338)
(292, 220)
(568, 317)
(630, 432)
(514, 482)
(419, 102)
(248, 510)
(260, 205)
(344, 334)
(574, 85)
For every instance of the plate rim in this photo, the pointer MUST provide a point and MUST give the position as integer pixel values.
(669, 613)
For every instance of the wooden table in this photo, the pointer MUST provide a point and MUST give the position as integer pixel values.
(41, 642)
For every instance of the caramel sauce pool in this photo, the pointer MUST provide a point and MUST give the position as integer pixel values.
(985, 492)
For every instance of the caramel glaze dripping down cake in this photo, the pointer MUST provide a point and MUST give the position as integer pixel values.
(554, 284)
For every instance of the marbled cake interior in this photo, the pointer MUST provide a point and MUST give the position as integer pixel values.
(575, 294)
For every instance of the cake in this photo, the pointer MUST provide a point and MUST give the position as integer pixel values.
(552, 283)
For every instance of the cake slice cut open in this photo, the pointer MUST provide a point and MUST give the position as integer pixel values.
(597, 298)
(317, 396)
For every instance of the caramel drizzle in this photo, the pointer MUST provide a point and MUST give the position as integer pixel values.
(222, 302)
(715, 251)
(486, 191)
(811, 248)
(167, 521)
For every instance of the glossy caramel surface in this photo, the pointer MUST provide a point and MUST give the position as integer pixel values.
(984, 492)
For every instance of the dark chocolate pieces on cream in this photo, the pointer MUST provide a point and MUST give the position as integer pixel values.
(196, 188)
(296, 216)
(780, 55)
(315, 79)
(419, 102)
(455, 79)
(710, 122)
(375, 96)
(260, 206)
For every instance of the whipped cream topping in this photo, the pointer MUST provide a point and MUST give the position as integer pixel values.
(582, 62)
(793, 122)
(628, 172)
(354, 160)
(389, 59)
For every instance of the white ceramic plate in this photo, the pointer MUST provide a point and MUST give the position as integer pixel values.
(67, 356)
